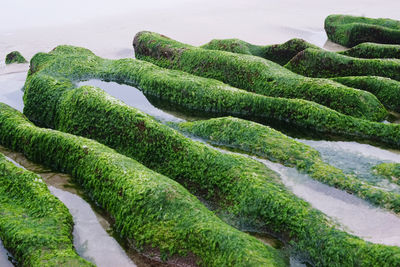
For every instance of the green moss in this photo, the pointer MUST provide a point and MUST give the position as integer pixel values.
(320, 63)
(149, 209)
(255, 74)
(278, 53)
(268, 143)
(15, 57)
(239, 187)
(385, 89)
(390, 171)
(34, 225)
(349, 30)
(373, 50)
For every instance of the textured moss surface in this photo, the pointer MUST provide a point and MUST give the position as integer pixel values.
(320, 63)
(350, 30)
(15, 57)
(373, 50)
(238, 186)
(256, 75)
(385, 89)
(268, 143)
(390, 171)
(278, 53)
(149, 209)
(34, 225)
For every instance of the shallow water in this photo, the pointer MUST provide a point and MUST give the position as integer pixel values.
(5, 257)
(91, 239)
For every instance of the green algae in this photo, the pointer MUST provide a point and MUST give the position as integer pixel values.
(278, 53)
(319, 63)
(34, 225)
(15, 57)
(149, 209)
(255, 74)
(263, 141)
(239, 186)
(373, 50)
(390, 171)
(385, 89)
(350, 30)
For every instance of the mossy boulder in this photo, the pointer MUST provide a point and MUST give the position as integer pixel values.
(263, 141)
(15, 57)
(390, 171)
(35, 226)
(151, 211)
(278, 53)
(243, 191)
(351, 30)
(373, 50)
(320, 63)
(256, 75)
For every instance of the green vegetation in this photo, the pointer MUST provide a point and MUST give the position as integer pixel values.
(320, 63)
(255, 74)
(244, 191)
(150, 210)
(385, 89)
(15, 57)
(349, 30)
(373, 50)
(260, 140)
(278, 53)
(34, 225)
(390, 171)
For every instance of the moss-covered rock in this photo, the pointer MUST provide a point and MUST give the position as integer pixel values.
(260, 140)
(242, 190)
(350, 30)
(385, 89)
(373, 50)
(319, 63)
(15, 57)
(149, 209)
(278, 53)
(390, 171)
(34, 225)
(256, 75)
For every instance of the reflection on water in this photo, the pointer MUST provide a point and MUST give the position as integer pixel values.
(5, 257)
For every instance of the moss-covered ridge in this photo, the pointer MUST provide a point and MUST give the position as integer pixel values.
(390, 171)
(15, 57)
(278, 53)
(373, 50)
(268, 143)
(256, 75)
(320, 63)
(149, 209)
(238, 186)
(350, 30)
(34, 225)
(385, 89)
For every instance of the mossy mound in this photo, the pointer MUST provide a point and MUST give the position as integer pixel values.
(373, 50)
(255, 74)
(350, 30)
(15, 57)
(150, 210)
(278, 53)
(385, 89)
(390, 171)
(34, 225)
(243, 190)
(320, 63)
(260, 140)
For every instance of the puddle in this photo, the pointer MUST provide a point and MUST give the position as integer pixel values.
(91, 238)
(5, 257)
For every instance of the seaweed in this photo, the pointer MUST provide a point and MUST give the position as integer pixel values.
(351, 30)
(255, 74)
(245, 192)
(373, 50)
(390, 171)
(15, 57)
(34, 225)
